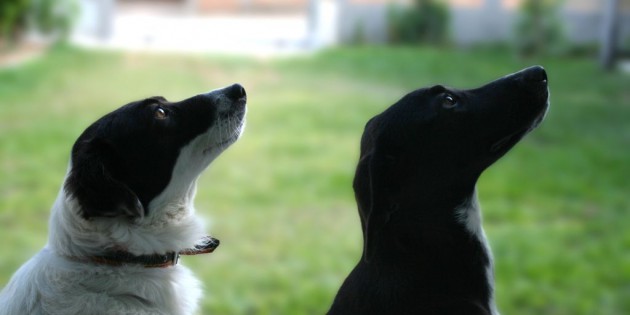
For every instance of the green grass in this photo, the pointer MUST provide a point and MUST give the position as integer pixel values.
(556, 208)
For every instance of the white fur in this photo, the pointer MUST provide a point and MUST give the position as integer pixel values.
(469, 214)
(53, 282)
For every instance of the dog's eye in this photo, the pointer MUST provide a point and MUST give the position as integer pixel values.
(449, 101)
(160, 113)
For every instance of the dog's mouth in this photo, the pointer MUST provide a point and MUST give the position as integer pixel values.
(230, 129)
(510, 140)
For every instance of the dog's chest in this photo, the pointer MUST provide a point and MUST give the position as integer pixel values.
(172, 288)
(120, 290)
(469, 215)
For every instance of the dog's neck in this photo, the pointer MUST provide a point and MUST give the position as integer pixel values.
(71, 235)
(428, 218)
(469, 215)
(446, 239)
(169, 259)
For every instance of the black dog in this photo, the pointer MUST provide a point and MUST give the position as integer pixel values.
(425, 251)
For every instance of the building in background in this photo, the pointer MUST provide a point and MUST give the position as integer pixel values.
(293, 25)
(260, 26)
(475, 21)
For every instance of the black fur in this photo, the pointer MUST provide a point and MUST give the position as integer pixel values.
(420, 161)
(125, 159)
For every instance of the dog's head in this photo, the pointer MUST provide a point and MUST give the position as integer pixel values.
(147, 153)
(436, 142)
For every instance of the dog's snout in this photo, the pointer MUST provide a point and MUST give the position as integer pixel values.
(534, 74)
(235, 92)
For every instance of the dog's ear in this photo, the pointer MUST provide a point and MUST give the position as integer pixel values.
(372, 196)
(93, 182)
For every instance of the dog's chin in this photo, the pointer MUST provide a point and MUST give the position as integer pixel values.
(221, 145)
(541, 116)
(505, 143)
(229, 136)
(226, 143)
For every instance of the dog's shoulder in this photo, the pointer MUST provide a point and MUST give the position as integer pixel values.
(20, 296)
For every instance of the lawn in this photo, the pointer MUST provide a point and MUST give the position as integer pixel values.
(556, 208)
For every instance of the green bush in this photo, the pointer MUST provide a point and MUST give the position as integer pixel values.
(426, 21)
(539, 30)
(12, 18)
(48, 17)
(54, 16)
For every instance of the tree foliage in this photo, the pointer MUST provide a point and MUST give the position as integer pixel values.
(48, 17)
(539, 28)
(425, 21)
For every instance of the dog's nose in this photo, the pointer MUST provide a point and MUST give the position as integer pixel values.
(535, 74)
(235, 92)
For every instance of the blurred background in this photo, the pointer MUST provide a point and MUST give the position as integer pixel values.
(556, 208)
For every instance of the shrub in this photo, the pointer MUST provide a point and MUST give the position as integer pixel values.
(48, 17)
(539, 29)
(426, 21)
(12, 18)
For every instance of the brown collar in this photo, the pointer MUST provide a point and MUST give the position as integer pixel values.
(120, 258)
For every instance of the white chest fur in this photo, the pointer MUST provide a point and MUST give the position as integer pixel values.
(469, 214)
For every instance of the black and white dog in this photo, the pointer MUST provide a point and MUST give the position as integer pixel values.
(425, 251)
(125, 212)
